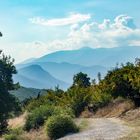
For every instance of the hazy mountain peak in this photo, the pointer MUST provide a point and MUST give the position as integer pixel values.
(35, 76)
(28, 60)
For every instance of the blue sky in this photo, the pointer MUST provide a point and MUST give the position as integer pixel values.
(32, 28)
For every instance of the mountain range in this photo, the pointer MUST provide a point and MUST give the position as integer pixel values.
(59, 67)
(36, 77)
(88, 56)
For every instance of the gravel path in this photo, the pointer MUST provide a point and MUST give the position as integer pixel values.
(102, 129)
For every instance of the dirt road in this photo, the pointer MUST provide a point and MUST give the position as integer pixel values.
(101, 129)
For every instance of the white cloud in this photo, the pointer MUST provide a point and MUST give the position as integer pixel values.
(119, 32)
(72, 19)
(124, 21)
(135, 43)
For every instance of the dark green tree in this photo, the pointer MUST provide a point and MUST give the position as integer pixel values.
(0, 34)
(99, 76)
(81, 80)
(8, 103)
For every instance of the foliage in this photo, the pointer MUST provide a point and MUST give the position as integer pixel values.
(37, 117)
(35, 102)
(63, 111)
(14, 134)
(60, 125)
(76, 98)
(11, 137)
(124, 82)
(8, 103)
(98, 96)
(51, 97)
(23, 93)
(0, 34)
(81, 80)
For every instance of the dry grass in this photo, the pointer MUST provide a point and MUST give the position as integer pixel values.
(131, 115)
(35, 135)
(115, 109)
(18, 121)
(86, 114)
(132, 118)
(135, 134)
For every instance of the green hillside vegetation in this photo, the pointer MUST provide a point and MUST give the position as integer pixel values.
(24, 93)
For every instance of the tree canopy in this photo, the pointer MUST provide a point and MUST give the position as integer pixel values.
(8, 103)
(81, 80)
(0, 34)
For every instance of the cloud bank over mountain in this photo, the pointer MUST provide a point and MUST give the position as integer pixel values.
(122, 31)
(82, 30)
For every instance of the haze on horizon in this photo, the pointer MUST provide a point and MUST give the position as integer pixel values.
(35, 28)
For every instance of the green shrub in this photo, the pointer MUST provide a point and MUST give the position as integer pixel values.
(63, 111)
(11, 137)
(37, 117)
(34, 103)
(14, 134)
(77, 99)
(59, 126)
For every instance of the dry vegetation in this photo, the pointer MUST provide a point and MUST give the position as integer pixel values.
(35, 135)
(18, 121)
(132, 117)
(115, 108)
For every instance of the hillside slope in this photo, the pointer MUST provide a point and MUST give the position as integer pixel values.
(36, 77)
(23, 93)
(63, 70)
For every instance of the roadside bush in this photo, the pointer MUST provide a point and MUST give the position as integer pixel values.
(63, 111)
(11, 137)
(59, 126)
(37, 117)
(14, 137)
(14, 134)
(34, 103)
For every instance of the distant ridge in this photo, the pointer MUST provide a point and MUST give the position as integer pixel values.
(36, 77)
(87, 56)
